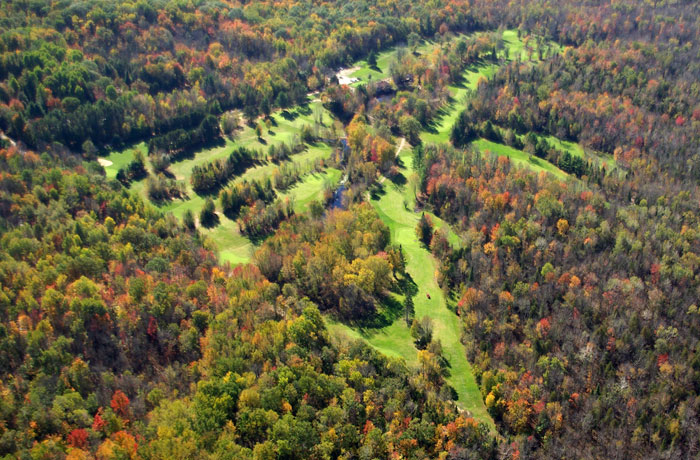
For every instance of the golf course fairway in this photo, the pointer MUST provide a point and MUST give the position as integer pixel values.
(395, 339)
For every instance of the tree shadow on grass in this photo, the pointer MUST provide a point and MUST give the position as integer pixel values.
(376, 192)
(189, 153)
(534, 160)
(388, 310)
(432, 125)
(240, 169)
(167, 173)
(400, 163)
(408, 286)
(257, 239)
(460, 82)
(304, 109)
(451, 300)
(451, 392)
(211, 221)
(399, 180)
(289, 116)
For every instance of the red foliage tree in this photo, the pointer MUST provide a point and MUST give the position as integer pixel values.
(98, 424)
(78, 437)
(120, 404)
(152, 329)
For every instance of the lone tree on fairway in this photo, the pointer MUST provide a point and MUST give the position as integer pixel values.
(424, 230)
(422, 332)
(188, 220)
(208, 217)
(372, 59)
(408, 308)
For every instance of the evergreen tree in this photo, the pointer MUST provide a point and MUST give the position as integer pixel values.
(208, 217)
(424, 230)
(408, 308)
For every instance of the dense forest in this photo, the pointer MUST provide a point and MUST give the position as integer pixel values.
(98, 73)
(544, 155)
(114, 315)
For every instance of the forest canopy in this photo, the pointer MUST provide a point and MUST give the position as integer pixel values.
(453, 229)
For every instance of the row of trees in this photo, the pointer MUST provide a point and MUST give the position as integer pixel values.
(209, 177)
(182, 141)
(245, 193)
(109, 74)
(422, 81)
(647, 116)
(260, 220)
(467, 129)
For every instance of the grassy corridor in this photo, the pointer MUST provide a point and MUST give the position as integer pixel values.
(395, 339)
(232, 246)
(514, 47)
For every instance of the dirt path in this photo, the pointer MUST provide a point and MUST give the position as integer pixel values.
(401, 144)
(398, 151)
(12, 143)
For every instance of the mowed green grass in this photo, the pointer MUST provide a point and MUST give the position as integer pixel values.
(395, 339)
(576, 150)
(232, 246)
(513, 46)
(285, 127)
(527, 47)
(440, 131)
(311, 188)
(519, 157)
(365, 73)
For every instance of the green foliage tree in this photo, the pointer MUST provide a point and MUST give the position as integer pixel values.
(424, 229)
(188, 220)
(422, 332)
(207, 216)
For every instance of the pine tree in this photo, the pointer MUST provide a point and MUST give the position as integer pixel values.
(188, 220)
(408, 308)
(372, 59)
(424, 230)
(208, 217)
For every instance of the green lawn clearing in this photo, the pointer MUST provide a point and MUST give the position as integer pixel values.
(311, 188)
(519, 157)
